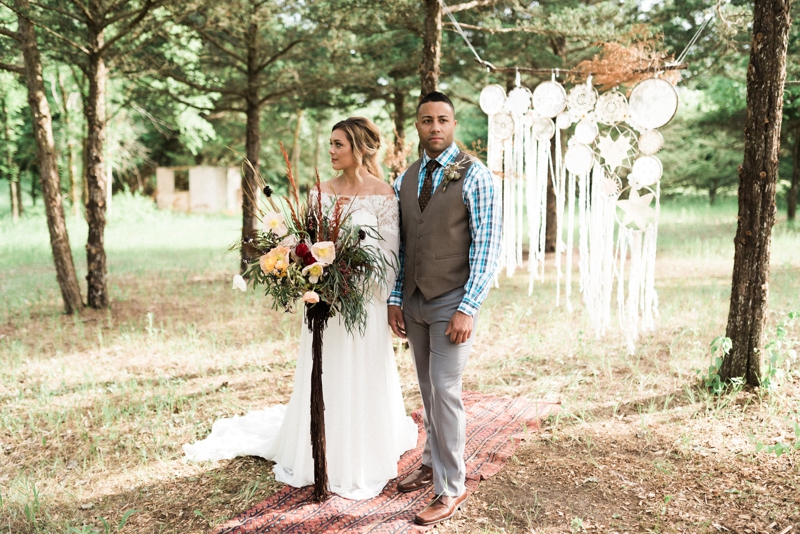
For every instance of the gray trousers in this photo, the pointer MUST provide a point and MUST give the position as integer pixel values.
(439, 364)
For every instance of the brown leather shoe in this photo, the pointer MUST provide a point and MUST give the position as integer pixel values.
(418, 479)
(440, 509)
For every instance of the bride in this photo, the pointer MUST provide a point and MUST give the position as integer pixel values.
(367, 429)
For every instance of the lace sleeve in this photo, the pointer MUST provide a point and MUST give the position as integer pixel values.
(386, 209)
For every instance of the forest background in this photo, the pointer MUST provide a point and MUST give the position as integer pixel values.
(96, 405)
(177, 82)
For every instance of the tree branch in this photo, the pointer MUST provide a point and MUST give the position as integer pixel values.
(43, 27)
(65, 39)
(269, 97)
(108, 22)
(205, 88)
(59, 11)
(12, 68)
(469, 5)
(274, 58)
(213, 40)
(9, 33)
(133, 52)
(148, 6)
(84, 10)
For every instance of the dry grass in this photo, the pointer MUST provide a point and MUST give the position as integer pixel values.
(94, 410)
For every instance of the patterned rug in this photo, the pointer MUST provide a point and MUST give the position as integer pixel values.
(495, 427)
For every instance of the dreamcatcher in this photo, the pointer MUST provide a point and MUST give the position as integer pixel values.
(608, 181)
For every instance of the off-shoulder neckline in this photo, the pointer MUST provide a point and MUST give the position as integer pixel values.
(356, 196)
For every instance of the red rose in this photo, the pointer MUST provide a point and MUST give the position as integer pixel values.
(301, 250)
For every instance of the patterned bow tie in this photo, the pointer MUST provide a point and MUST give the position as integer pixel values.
(427, 184)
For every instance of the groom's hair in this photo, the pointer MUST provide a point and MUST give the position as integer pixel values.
(436, 96)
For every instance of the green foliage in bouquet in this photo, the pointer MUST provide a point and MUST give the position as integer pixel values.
(313, 252)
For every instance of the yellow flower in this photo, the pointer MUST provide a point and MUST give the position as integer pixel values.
(324, 252)
(275, 261)
(310, 297)
(314, 272)
(273, 222)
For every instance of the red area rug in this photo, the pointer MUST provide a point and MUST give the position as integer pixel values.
(495, 427)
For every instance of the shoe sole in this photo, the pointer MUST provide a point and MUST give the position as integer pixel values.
(429, 523)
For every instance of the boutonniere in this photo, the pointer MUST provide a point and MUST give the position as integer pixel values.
(452, 173)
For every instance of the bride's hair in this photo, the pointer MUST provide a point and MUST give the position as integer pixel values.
(365, 138)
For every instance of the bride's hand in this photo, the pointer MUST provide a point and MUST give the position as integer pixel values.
(396, 321)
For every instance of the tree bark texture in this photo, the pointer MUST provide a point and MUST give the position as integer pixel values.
(758, 174)
(252, 141)
(20, 207)
(70, 142)
(432, 47)
(791, 198)
(13, 180)
(399, 118)
(97, 296)
(298, 128)
(48, 169)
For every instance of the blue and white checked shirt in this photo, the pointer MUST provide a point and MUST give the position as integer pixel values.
(482, 200)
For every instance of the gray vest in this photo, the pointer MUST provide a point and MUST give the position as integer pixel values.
(437, 242)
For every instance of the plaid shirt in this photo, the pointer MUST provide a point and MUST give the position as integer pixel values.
(482, 200)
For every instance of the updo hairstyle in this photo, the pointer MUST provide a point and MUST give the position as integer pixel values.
(365, 138)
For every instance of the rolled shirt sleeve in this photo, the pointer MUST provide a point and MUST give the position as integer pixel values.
(486, 227)
(396, 296)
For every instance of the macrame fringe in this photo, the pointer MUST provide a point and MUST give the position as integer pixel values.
(527, 166)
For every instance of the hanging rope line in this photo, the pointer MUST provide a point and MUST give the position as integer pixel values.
(678, 64)
(693, 40)
(458, 28)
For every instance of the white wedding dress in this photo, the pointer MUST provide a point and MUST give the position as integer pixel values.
(366, 427)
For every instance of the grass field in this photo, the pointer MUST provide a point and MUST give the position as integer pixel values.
(94, 409)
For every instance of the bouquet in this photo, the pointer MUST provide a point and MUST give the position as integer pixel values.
(313, 252)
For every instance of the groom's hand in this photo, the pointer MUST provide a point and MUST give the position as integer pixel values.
(396, 321)
(460, 328)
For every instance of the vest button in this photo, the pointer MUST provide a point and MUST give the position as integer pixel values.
(418, 249)
(416, 277)
(418, 262)
(421, 221)
(419, 235)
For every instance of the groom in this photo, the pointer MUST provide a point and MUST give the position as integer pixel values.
(451, 231)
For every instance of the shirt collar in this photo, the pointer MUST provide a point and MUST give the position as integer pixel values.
(444, 158)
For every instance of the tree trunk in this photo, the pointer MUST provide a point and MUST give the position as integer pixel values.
(33, 187)
(317, 133)
(791, 198)
(48, 170)
(399, 118)
(757, 179)
(296, 144)
(252, 141)
(73, 181)
(13, 183)
(96, 175)
(432, 47)
(20, 207)
(712, 193)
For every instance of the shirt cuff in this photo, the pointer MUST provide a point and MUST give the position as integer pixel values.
(469, 307)
(395, 299)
